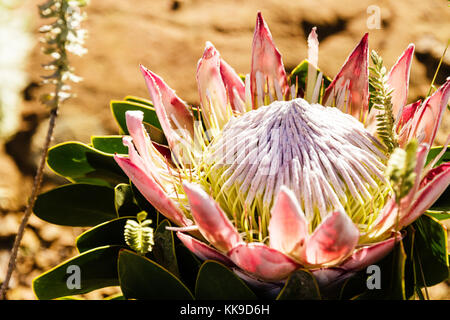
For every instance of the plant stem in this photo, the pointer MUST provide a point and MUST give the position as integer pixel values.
(28, 210)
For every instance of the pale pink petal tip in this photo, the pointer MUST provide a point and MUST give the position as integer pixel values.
(211, 89)
(213, 223)
(263, 262)
(173, 113)
(288, 228)
(398, 80)
(333, 240)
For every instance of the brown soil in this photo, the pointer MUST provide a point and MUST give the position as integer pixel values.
(168, 37)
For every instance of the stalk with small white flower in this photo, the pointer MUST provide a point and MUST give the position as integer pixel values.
(64, 35)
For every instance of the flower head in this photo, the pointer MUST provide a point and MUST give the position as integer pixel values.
(274, 176)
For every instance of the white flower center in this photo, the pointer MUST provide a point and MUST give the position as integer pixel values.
(325, 156)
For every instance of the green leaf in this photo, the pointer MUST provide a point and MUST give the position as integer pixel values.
(107, 233)
(124, 201)
(301, 285)
(163, 251)
(80, 163)
(300, 72)
(109, 144)
(188, 265)
(139, 100)
(431, 251)
(119, 108)
(438, 215)
(142, 278)
(77, 205)
(216, 282)
(434, 151)
(98, 269)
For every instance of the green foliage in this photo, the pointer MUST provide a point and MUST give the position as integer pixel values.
(109, 144)
(119, 108)
(380, 98)
(164, 249)
(81, 163)
(98, 269)
(301, 285)
(105, 234)
(217, 282)
(142, 278)
(76, 205)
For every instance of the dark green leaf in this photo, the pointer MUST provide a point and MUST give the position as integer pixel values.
(119, 108)
(81, 163)
(438, 215)
(163, 250)
(301, 285)
(431, 252)
(139, 100)
(300, 72)
(108, 233)
(188, 265)
(77, 205)
(98, 269)
(125, 203)
(141, 278)
(109, 144)
(434, 151)
(217, 282)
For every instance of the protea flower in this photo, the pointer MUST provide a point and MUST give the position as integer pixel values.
(276, 178)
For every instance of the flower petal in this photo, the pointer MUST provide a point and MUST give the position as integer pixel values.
(398, 80)
(213, 223)
(428, 118)
(202, 250)
(438, 180)
(288, 227)
(370, 254)
(174, 115)
(313, 59)
(333, 240)
(211, 89)
(349, 91)
(405, 122)
(263, 262)
(234, 85)
(152, 191)
(267, 67)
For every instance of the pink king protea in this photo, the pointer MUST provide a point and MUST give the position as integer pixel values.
(276, 178)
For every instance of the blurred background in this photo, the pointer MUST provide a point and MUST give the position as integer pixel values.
(168, 37)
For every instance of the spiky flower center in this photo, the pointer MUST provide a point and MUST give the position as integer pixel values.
(325, 156)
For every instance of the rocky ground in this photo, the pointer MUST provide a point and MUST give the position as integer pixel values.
(168, 37)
